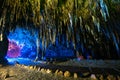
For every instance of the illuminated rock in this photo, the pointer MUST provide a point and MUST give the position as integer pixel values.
(4, 75)
(13, 50)
(75, 75)
(48, 71)
(101, 77)
(111, 77)
(26, 67)
(34, 67)
(60, 73)
(31, 67)
(67, 74)
(38, 69)
(56, 72)
(22, 44)
(93, 77)
(43, 70)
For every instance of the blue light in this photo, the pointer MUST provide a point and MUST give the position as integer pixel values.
(22, 44)
(25, 42)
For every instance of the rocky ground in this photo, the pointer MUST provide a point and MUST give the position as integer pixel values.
(60, 71)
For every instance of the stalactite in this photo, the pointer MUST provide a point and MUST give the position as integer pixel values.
(38, 47)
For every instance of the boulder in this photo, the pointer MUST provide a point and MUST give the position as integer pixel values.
(66, 74)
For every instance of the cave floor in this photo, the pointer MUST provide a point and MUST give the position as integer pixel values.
(26, 69)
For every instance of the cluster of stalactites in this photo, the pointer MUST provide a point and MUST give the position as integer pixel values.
(54, 17)
(79, 20)
(21, 12)
(71, 18)
(30, 12)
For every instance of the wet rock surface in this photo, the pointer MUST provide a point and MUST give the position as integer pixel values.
(62, 71)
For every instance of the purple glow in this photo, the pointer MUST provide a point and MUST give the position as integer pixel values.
(13, 49)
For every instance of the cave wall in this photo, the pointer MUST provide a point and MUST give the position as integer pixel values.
(22, 44)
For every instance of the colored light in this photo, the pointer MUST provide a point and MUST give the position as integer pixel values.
(13, 50)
